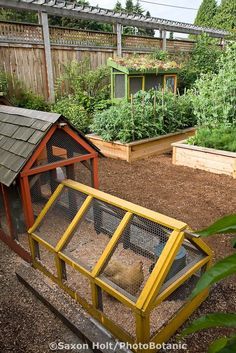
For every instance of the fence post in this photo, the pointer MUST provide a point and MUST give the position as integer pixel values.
(119, 39)
(164, 41)
(48, 56)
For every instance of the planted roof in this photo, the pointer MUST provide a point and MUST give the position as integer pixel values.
(144, 64)
(21, 130)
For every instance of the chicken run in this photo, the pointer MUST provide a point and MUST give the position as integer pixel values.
(130, 268)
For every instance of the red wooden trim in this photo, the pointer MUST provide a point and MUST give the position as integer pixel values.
(15, 247)
(24, 203)
(78, 139)
(55, 165)
(27, 202)
(8, 210)
(40, 148)
(95, 172)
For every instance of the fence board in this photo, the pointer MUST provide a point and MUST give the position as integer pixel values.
(22, 51)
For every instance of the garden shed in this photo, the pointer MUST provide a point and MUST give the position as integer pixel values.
(37, 151)
(132, 74)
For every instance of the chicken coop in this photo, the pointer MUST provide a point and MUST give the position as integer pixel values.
(130, 268)
(37, 151)
(132, 74)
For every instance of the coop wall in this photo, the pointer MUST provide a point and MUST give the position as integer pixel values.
(60, 148)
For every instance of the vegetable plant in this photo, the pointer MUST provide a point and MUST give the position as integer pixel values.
(222, 269)
(148, 114)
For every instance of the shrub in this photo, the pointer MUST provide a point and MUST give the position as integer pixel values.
(76, 113)
(221, 138)
(149, 114)
(82, 91)
(214, 101)
(88, 86)
(203, 59)
(29, 100)
(3, 82)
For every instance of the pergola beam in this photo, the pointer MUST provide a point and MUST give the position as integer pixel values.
(68, 9)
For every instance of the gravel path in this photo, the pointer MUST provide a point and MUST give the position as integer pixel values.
(27, 325)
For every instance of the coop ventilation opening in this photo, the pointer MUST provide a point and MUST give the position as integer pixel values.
(129, 267)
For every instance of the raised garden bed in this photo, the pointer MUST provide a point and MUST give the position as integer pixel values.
(139, 149)
(209, 159)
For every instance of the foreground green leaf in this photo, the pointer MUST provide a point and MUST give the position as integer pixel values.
(223, 345)
(220, 270)
(226, 224)
(217, 345)
(210, 321)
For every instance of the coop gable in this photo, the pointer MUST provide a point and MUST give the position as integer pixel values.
(21, 131)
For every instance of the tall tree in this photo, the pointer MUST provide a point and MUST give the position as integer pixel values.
(206, 13)
(137, 8)
(226, 15)
(129, 6)
(149, 32)
(118, 7)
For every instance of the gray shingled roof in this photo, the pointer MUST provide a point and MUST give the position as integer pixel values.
(21, 130)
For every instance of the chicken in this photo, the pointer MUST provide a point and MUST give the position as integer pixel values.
(128, 277)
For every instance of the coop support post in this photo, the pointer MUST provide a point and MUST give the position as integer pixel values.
(142, 327)
(119, 39)
(8, 211)
(160, 271)
(95, 182)
(48, 56)
(69, 231)
(164, 41)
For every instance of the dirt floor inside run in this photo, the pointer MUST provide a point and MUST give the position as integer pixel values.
(193, 196)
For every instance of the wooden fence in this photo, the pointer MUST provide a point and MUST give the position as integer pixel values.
(22, 51)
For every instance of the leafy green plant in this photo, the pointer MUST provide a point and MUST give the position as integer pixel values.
(148, 114)
(203, 59)
(214, 105)
(3, 82)
(221, 138)
(76, 113)
(82, 91)
(88, 86)
(160, 55)
(222, 269)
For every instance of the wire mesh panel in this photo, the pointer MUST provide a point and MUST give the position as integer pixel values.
(168, 309)
(47, 259)
(61, 146)
(93, 233)
(84, 173)
(60, 215)
(118, 313)
(78, 283)
(134, 257)
(153, 81)
(135, 84)
(119, 85)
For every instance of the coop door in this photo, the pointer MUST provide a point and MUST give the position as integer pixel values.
(153, 81)
(170, 82)
(136, 83)
(119, 86)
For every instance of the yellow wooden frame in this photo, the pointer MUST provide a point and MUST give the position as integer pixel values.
(150, 296)
(135, 76)
(175, 83)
